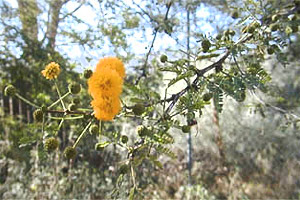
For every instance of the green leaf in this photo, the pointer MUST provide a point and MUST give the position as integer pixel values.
(136, 100)
(131, 193)
(180, 77)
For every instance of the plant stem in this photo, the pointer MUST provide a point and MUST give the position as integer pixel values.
(58, 100)
(26, 101)
(81, 135)
(132, 175)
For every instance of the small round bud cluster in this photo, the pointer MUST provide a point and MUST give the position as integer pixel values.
(207, 96)
(274, 27)
(74, 88)
(124, 139)
(70, 152)
(44, 108)
(163, 58)
(235, 14)
(87, 73)
(10, 90)
(205, 45)
(185, 128)
(72, 107)
(94, 129)
(38, 115)
(138, 109)
(142, 131)
(51, 144)
(229, 32)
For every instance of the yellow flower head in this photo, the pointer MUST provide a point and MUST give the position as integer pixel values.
(106, 108)
(51, 71)
(106, 82)
(112, 63)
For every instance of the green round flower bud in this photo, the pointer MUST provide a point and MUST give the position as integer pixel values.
(76, 100)
(205, 45)
(94, 129)
(74, 88)
(38, 115)
(51, 144)
(142, 131)
(44, 108)
(185, 128)
(70, 152)
(138, 109)
(72, 107)
(207, 96)
(123, 169)
(251, 29)
(163, 58)
(270, 50)
(87, 73)
(219, 37)
(274, 27)
(124, 139)
(10, 90)
(235, 15)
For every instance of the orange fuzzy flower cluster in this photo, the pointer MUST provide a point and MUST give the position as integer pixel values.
(105, 86)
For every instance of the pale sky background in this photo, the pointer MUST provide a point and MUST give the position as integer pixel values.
(138, 41)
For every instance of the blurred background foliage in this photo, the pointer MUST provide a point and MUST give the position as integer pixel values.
(245, 139)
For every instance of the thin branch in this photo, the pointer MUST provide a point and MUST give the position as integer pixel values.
(72, 12)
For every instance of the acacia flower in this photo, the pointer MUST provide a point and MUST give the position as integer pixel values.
(106, 108)
(112, 63)
(51, 71)
(106, 82)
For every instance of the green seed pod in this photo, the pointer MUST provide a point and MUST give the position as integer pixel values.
(163, 58)
(185, 128)
(251, 29)
(76, 100)
(70, 152)
(44, 108)
(205, 45)
(270, 50)
(124, 139)
(87, 73)
(219, 37)
(10, 90)
(38, 115)
(74, 88)
(72, 107)
(142, 131)
(274, 27)
(138, 109)
(51, 144)
(94, 129)
(235, 14)
(207, 96)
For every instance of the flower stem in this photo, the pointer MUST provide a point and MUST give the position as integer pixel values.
(58, 100)
(81, 135)
(132, 175)
(26, 101)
